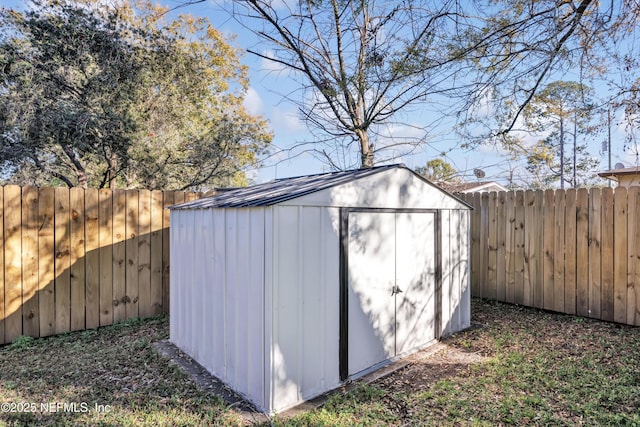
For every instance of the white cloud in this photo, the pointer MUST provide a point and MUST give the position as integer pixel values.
(400, 131)
(268, 65)
(253, 103)
(286, 121)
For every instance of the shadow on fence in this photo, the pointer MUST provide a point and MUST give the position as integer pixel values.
(75, 259)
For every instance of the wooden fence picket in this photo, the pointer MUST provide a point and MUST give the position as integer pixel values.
(75, 259)
(570, 251)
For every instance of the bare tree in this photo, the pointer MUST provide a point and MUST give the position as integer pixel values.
(364, 65)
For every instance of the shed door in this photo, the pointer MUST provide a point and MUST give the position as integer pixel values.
(391, 284)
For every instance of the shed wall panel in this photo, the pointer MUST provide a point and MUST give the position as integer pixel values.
(197, 287)
(305, 300)
(231, 297)
(218, 362)
(217, 296)
(255, 305)
(447, 271)
(458, 296)
(210, 298)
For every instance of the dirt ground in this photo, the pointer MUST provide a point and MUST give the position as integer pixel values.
(446, 362)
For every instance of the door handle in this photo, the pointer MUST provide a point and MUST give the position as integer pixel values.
(395, 290)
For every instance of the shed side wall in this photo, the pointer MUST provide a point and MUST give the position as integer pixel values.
(456, 295)
(217, 318)
(305, 320)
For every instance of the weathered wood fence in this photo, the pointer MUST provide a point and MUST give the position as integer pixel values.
(573, 251)
(74, 259)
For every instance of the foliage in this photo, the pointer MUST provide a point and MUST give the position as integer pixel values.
(562, 111)
(115, 95)
(439, 170)
(22, 342)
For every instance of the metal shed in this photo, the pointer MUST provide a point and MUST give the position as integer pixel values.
(285, 290)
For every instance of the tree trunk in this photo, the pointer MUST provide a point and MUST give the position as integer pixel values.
(113, 162)
(366, 149)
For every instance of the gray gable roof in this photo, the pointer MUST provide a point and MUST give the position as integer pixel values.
(281, 190)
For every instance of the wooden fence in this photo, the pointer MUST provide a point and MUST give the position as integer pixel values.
(74, 259)
(573, 251)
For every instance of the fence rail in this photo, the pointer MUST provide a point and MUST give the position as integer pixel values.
(74, 259)
(573, 251)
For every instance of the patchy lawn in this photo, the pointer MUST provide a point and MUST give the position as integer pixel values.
(114, 366)
(522, 367)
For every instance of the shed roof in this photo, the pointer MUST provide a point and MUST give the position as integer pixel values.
(469, 187)
(614, 173)
(284, 189)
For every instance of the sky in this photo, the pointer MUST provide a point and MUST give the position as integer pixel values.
(268, 83)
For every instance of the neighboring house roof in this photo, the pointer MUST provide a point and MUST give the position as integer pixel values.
(614, 173)
(284, 189)
(472, 187)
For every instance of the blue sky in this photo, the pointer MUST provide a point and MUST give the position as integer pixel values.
(268, 84)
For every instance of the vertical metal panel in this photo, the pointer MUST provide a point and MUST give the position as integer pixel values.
(180, 252)
(329, 282)
(465, 284)
(210, 295)
(454, 295)
(270, 278)
(371, 307)
(196, 285)
(286, 331)
(304, 333)
(219, 296)
(255, 305)
(243, 297)
(231, 295)
(415, 276)
(448, 264)
(313, 308)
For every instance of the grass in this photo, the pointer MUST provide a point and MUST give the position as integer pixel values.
(114, 367)
(528, 368)
(538, 368)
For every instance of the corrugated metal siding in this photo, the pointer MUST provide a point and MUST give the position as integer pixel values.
(217, 289)
(305, 322)
(255, 291)
(456, 295)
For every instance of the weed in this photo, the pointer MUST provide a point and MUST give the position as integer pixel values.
(22, 342)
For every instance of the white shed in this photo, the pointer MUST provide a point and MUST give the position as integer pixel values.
(285, 290)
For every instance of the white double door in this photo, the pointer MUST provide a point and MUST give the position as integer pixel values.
(391, 295)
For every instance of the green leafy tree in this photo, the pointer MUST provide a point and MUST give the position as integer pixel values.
(439, 171)
(94, 95)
